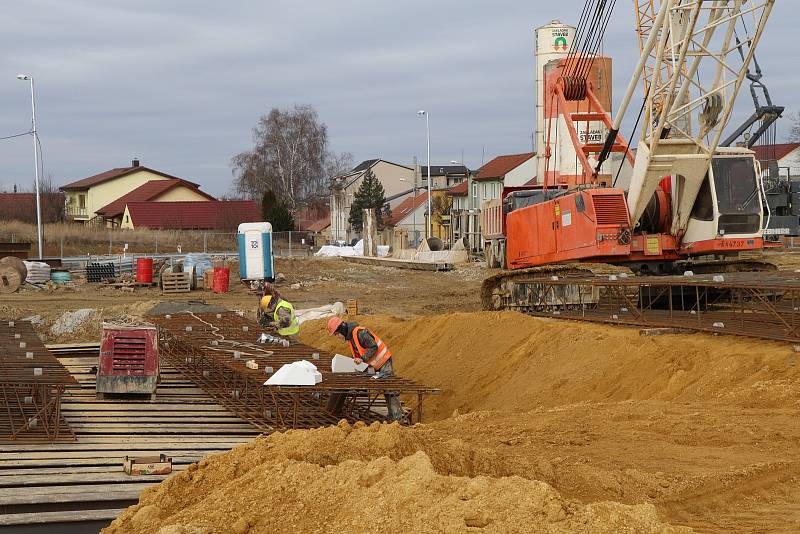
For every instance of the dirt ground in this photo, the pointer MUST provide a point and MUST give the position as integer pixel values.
(321, 281)
(542, 425)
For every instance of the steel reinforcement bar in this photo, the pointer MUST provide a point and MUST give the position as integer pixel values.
(756, 304)
(32, 381)
(212, 350)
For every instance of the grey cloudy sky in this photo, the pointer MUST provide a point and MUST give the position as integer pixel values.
(180, 83)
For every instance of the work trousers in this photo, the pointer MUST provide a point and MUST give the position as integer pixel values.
(337, 400)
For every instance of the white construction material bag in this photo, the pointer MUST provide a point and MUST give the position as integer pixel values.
(302, 373)
(346, 364)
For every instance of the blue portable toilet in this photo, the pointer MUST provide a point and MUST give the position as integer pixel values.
(255, 251)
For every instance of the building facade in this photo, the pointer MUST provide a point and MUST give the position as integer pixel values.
(397, 181)
(86, 196)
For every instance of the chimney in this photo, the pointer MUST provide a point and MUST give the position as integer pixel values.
(135, 162)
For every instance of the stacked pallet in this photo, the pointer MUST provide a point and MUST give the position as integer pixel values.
(176, 283)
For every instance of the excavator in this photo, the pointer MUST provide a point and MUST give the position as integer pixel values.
(680, 200)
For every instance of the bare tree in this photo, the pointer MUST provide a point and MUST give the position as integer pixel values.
(289, 157)
(337, 164)
(53, 201)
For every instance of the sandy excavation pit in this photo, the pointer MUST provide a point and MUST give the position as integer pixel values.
(626, 434)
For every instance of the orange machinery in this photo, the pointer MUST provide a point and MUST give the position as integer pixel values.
(575, 212)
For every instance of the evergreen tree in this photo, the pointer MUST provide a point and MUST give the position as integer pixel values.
(370, 194)
(276, 213)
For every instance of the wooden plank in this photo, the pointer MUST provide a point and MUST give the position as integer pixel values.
(39, 481)
(158, 428)
(117, 442)
(184, 457)
(140, 418)
(665, 331)
(75, 516)
(65, 494)
(401, 264)
(92, 408)
(62, 346)
(9, 460)
(75, 470)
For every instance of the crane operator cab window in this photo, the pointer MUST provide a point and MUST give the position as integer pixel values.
(737, 194)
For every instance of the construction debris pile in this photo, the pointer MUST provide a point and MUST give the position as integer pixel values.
(377, 478)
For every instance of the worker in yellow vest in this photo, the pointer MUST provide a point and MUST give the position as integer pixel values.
(365, 347)
(275, 310)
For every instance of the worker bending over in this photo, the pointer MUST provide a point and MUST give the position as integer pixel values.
(275, 310)
(368, 348)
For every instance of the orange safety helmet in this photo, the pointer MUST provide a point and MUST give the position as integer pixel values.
(333, 325)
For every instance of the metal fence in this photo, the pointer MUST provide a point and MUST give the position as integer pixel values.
(164, 244)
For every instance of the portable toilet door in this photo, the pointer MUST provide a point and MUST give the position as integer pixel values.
(255, 251)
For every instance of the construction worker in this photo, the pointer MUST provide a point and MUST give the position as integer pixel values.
(368, 348)
(281, 313)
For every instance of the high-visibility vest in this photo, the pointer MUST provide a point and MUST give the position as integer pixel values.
(382, 355)
(294, 326)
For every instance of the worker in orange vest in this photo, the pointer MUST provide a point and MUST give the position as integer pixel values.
(365, 347)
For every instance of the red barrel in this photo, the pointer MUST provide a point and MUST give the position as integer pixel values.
(221, 279)
(144, 270)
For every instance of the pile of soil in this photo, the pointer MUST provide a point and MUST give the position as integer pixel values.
(511, 361)
(563, 426)
(380, 478)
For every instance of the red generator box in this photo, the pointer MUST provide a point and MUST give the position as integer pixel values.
(128, 360)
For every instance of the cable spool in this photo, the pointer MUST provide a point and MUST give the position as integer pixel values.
(574, 87)
(10, 279)
(61, 277)
(18, 264)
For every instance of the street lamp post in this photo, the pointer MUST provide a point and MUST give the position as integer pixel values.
(35, 162)
(428, 139)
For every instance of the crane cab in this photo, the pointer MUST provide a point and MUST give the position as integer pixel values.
(727, 215)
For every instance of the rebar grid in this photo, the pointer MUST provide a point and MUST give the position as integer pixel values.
(757, 304)
(32, 381)
(212, 349)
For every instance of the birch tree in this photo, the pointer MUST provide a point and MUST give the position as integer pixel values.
(289, 157)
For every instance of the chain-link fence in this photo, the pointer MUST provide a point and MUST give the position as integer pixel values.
(65, 241)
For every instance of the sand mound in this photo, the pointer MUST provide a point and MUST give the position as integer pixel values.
(363, 479)
(510, 361)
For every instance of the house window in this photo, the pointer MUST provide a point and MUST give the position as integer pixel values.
(474, 190)
(82, 201)
(127, 219)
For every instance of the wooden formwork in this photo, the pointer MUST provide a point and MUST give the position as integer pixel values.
(80, 485)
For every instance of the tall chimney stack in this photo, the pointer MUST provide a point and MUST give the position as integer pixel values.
(135, 162)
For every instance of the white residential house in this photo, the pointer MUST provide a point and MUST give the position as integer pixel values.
(411, 215)
(397, 180)
(510, 170)
(784, 158)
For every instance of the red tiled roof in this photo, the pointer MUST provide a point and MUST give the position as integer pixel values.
(404, 209)
(85, 183)
(188, 215)
(777, 152)
(458, 189)
(501, 165)
(148, 191)
(319, 225)
(22, 206)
